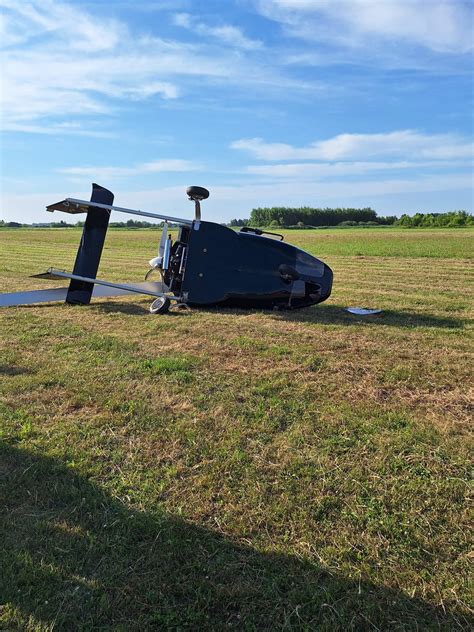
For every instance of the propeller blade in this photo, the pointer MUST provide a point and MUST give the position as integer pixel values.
(164, 235)
(157, 262)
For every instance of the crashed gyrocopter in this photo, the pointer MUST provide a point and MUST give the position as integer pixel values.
(208, 264)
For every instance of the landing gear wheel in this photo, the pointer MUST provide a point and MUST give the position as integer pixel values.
(160, 305)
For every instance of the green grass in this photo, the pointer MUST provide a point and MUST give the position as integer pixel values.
(388, 242)
(228, 469)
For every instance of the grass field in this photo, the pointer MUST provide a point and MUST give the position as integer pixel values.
(221, 469)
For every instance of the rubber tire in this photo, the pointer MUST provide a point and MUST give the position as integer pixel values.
(160, 305)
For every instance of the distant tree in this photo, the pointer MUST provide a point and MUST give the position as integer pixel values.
(61, 224)
(405, 220)
(451, 219)
(239, 222)
(459, 218)
(132, 223)
(388, 220)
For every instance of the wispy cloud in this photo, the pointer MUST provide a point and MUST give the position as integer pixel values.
(226, 33)
(27, 19)
(442, 26)
(155, 166)
(63, 129)
(61, 61)
(409, 144)
(312, 170)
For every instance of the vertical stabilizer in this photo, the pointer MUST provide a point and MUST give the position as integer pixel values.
(90, 248)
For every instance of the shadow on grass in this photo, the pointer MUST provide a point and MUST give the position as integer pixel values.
(76, 558)
(101, 305)
(11, 369)
(116, 307)
(336, 315)
(317, 314)
(131, 308)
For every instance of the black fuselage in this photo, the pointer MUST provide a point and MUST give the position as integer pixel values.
(225, 267)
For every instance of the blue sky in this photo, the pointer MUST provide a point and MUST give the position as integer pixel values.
(264, 102)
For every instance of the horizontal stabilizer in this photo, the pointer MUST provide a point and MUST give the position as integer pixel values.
(73, 206)
(48, 275)
(69, 207)
(59, 293)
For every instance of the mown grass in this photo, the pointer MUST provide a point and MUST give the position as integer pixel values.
(229, 469)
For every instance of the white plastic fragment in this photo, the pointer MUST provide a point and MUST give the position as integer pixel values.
(362, 311)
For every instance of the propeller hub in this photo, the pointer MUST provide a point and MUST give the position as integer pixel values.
(197, 194)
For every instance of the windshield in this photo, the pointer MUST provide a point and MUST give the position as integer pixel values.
(308, 265)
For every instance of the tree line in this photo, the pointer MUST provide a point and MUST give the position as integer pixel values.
(452, 219)
(304, 217)
(307, 216)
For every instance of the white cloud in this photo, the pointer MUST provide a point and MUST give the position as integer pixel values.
(170, 165)
(63, 129)
(183, 19)
(337, 169)
(27, 19)
(107, 173)
(443, 26)
(238, 200)
(60, 61)
(225, 33)
(408, 144)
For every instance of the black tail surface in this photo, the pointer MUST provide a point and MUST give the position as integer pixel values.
(90, 248)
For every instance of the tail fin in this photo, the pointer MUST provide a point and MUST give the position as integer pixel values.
(90, 248)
